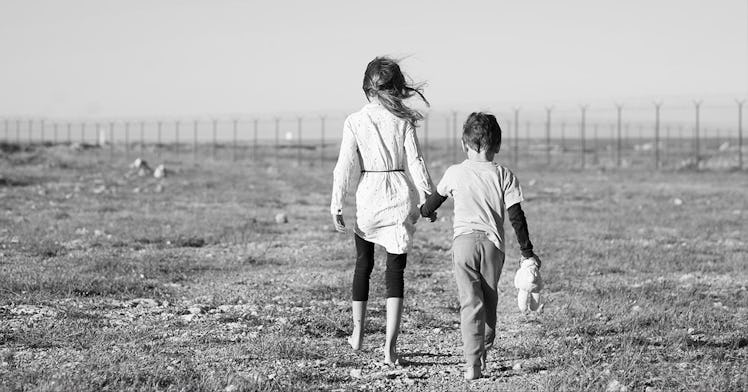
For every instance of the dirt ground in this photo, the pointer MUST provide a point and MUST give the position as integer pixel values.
(114, 281)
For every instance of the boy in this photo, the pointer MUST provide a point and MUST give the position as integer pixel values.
(482, 191)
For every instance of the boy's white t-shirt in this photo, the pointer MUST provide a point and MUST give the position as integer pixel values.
(482, 192)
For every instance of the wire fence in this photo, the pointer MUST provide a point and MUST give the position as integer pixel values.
(652, 137)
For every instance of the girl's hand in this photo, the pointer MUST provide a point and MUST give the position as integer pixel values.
(432, 217)
(337, 220)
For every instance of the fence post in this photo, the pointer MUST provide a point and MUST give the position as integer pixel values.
(298, 140)
(563, 137)
(31, 128)
(548, 134)
(41, 131)
(740, 134)
(446, 133)
(426, 137)
(657, 135)
(527, 139)
(619, 110)
(454, 136)
(142, 136)
(18, 132)
(235, 129)
(516, 137)
(158, 140)
(277, 138)
(697, 105)
(54, 130)
(322, 142)
(194, 140)
(215, 130)
(582, 130)
(111, 141)
(83, 132)
(5, 124)
(68, 126)
(255, 129)
(176, 136)
(127, 140)
(97, 134)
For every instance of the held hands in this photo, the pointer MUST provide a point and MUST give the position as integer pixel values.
(432, 217)
(337, 220)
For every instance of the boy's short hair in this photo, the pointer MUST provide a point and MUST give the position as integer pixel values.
(481, 132)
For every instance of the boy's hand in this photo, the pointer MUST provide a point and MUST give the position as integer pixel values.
(533, 257)
(337, 220)
(432, 217)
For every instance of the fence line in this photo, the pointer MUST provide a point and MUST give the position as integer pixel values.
(544, 139)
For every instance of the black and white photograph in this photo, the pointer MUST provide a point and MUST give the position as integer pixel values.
(241, 195)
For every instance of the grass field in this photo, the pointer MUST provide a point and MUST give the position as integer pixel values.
(111, 281)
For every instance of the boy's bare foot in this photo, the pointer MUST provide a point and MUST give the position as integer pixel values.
(356, 343)
(473, 373)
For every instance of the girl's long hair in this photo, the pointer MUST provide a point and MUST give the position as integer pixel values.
(384, 79)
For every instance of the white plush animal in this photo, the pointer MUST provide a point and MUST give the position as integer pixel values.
(529, 283)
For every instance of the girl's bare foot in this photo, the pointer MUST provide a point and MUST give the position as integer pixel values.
(390, 355)
(473, 373)
(355, 343)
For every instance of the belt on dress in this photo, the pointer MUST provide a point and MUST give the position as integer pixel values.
(382, 171)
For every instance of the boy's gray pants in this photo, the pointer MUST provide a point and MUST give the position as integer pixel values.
(477, 268)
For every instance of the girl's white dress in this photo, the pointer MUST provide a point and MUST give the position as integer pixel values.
(375, 144)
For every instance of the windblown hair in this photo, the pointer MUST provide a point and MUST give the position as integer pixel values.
(481, 132)
(384, 79)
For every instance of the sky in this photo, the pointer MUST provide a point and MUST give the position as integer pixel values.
(107, 58)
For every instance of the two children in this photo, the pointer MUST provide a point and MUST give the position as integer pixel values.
(379, 144)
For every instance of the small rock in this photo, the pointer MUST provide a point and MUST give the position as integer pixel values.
(615, 386)
(195, 310)
(81, 231)
(636, 308)
(356, 373)
(143, 302)
(159, 188)
(517, 366)
(231, 388)
(677, 202)
(160, 171)
(531, 182)
(187, 317)
(281, 218)
(99, 189)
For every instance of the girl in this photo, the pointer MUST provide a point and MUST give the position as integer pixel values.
(379, 147)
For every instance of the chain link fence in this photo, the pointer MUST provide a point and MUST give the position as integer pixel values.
(649, 137)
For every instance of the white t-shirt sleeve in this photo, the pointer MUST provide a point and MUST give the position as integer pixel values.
(446, 185)
(512, 189)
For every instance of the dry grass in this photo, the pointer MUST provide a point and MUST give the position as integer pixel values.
(642, 292)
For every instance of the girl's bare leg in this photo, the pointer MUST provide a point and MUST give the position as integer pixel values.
(359, 323)
(394, 315)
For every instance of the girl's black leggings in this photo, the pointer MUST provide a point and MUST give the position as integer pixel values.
(393, 275)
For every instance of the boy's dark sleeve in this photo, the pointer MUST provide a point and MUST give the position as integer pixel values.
(433, 202)
(519, 223)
